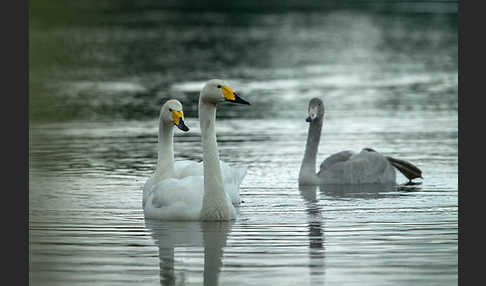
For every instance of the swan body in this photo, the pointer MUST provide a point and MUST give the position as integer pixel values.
(232, 177)
(175, 199)
(365, 167)
(347, 167)
(187, 190)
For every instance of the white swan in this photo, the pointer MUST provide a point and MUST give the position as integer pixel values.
(171, 113)
(347, 167)
(192, 192)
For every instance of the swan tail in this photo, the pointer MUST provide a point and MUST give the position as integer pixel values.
(408, 169)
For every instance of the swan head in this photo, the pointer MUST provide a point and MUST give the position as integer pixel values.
(217, 91)
(172, 113)
(315, 110)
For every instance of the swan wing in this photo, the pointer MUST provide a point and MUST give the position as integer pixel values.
(188, 168)
(371, 164)
(336, 158)
(364, 167)
(232, 176)
(147, 189)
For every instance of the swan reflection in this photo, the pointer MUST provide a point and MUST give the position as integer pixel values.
(362, 191)
(169, 235)
(366, 191)
(316, 234)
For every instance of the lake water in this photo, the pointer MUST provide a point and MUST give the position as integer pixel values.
(99, 72)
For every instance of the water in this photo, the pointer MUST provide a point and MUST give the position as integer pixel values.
(99, 74)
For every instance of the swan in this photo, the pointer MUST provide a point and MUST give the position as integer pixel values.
(192, 192)
(172, 114)
(347, 167)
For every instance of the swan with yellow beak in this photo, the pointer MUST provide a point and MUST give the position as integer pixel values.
(189, 190)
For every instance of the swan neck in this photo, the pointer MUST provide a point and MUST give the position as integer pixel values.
(213, 181)
(313, 137)
(165, 156)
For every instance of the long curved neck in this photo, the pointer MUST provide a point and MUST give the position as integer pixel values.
(308, 167)
(165, 156)
(213, 180)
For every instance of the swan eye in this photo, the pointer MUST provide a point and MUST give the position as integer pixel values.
(219, 86)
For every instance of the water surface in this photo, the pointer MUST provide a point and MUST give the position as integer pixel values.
(86, 222)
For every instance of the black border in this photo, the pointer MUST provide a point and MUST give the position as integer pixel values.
(15, 121)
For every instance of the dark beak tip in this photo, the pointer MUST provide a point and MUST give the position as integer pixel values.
(240, 100)
(182, 126)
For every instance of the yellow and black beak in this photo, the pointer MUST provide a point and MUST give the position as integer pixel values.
(178, 118)
(232, 96)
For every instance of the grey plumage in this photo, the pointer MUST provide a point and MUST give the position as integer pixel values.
(347, 167)
(408, 169)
